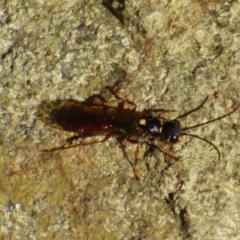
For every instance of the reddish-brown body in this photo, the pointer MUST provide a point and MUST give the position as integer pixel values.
(89, 119)
(97, 118)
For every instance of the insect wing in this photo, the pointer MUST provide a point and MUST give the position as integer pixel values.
(74, 116)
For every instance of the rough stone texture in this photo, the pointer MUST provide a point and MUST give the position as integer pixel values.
(175, 53)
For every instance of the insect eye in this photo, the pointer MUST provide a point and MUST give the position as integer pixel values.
(174, 139)
(150, 125)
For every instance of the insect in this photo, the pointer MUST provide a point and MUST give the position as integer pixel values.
(92, 118)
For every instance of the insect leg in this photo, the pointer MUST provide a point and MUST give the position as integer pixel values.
(122, 101)
(135, 171)
(134, 165)
(114, 93)
(162, 149)
(77, 145)
(136, 161)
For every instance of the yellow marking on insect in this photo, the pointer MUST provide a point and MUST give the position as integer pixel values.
(160, 130)
(142, 122)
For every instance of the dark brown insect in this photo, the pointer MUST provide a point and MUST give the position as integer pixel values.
(99, 118)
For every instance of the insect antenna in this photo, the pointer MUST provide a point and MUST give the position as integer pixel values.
(207, 122)
(213, 120)
(205, 140)
(193, 110)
